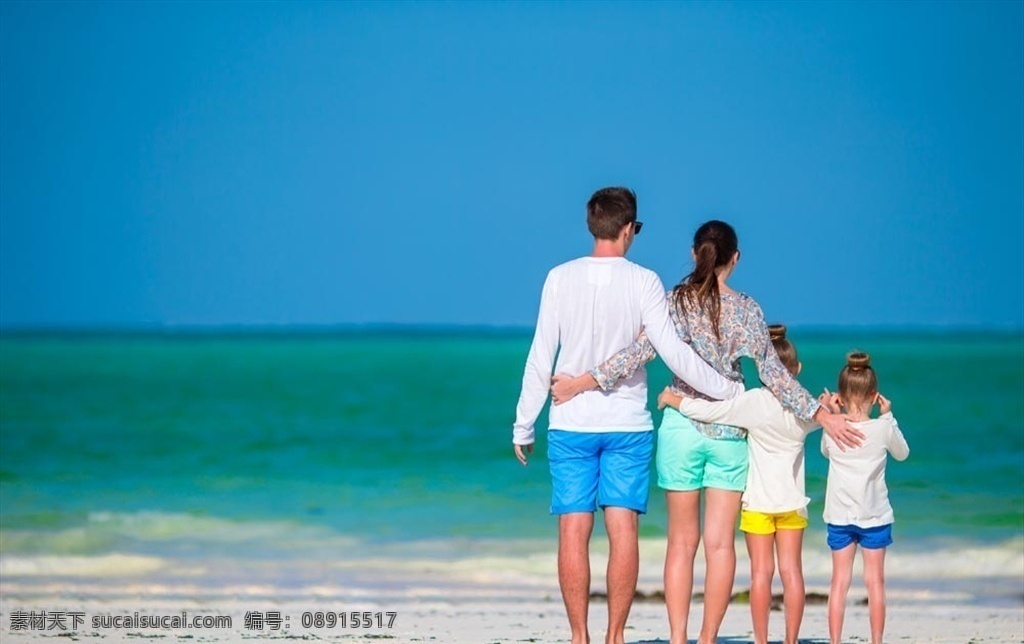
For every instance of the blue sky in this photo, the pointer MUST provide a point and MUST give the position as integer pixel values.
(336, 163)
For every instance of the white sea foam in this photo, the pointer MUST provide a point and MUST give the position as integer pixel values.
(110, 565)
(157, 533)
(937, 560)
(113, 531)
(163, 526)
(182, 555)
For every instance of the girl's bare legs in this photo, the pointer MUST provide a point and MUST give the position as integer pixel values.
(791, 571)
(723, 506)
(842, 570)
(874, 579)
(683, 539)
(761, 548)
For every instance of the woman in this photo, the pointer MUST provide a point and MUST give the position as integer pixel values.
(722, 326)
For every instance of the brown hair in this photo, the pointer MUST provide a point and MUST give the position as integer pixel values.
(857, 380)
(608, 210)
(785, 348)
(714, 244)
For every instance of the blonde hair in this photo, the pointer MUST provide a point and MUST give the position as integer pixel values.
(857, 380)
(785, 348)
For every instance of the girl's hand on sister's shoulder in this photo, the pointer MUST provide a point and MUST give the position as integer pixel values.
(884, 404)
(668, 399)
(830, 401)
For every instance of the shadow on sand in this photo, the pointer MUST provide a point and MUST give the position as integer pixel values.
(735, 640)
(742, 597)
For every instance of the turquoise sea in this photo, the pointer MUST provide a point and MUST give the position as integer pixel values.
(379, 461)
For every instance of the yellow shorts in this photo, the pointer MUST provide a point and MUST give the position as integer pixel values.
(768, 523)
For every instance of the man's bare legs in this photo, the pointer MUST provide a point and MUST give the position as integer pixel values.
(723, 506)
(789, 544)
(574, 532)
(683, 539)
(842, 571)
(874, 580)
(623, 566)
(761, 548)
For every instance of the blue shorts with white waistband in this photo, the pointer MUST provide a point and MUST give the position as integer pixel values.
(606, 469)
(840, 536)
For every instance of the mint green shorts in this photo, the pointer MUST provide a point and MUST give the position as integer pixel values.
(689, 460)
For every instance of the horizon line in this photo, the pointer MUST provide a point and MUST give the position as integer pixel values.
(429, 328)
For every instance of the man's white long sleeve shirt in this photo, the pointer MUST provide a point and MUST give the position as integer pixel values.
(590, 308)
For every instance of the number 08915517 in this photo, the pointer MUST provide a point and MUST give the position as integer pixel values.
(350, 619)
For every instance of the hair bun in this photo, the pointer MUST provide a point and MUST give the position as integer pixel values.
(858, 360)
(776, 332)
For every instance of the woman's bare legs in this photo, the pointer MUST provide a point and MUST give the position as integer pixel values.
(874, 579)
(722, 508)
(683, 539)
(790, 546)
(761, 548)
(842, 570)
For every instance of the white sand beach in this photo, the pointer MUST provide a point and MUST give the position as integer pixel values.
(477, 597)
(476, 622)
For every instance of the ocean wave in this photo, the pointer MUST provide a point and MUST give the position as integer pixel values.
(104, 532)
(466, 569)
(111, 565)
(921, 560)
(162, 534)
(159, 526)
(951, 559)
(189, 554)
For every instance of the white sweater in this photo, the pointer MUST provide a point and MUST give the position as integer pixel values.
(856, 493)
(775, 440)
(589, 309)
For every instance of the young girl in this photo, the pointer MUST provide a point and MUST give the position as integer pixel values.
(774, 505)
(857, 506)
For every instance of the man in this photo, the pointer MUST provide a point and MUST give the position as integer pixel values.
(600, 443)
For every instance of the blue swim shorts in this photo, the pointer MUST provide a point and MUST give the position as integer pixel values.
(610, 469)
(840, 536)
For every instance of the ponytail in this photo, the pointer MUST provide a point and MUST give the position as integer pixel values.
(714, 244)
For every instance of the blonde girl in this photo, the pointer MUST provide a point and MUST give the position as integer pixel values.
(857, 509)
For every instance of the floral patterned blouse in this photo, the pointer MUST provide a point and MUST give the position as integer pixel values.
(743, 334)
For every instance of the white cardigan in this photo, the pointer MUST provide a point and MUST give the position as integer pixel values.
(856, 493)
(775, 478)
